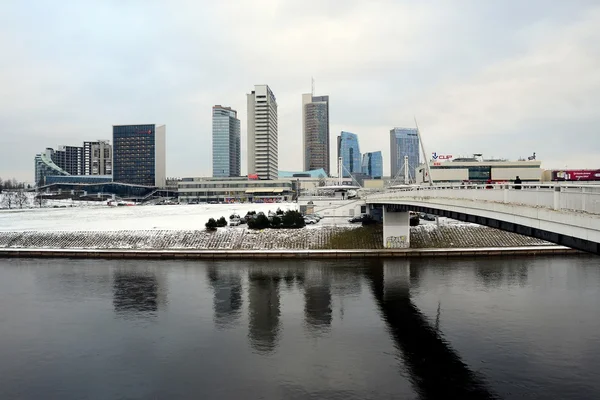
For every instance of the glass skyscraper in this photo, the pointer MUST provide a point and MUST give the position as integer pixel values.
(226, 154)
(139, 154)
(404, 142)
(349, 151)
(315, 132)
(372, 164)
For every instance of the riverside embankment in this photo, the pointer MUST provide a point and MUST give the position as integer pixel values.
(235, 242)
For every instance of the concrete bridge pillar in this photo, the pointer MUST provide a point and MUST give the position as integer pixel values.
(396, 229)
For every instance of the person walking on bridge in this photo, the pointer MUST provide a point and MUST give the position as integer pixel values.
(518, 183)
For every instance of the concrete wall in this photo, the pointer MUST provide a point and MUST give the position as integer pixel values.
(373, 183)
(396, 230)
(160, 151)
(336, 208)
(509, 174)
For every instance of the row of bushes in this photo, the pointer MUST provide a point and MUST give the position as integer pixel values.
(291, 219)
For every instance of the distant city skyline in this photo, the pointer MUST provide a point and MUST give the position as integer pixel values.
(505, 79)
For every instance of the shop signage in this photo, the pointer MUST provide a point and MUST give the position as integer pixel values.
(437, 156)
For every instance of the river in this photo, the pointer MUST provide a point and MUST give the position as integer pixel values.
(345, 329)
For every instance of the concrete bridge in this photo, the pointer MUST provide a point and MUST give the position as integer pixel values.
(567, 215)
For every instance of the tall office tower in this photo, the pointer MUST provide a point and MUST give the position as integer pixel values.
(262, 133)
(139, 154)
(315, 132)
(226, 154)
(349, 151)
(404, 142)
(97, 158)
(70, 159)
(372, 164)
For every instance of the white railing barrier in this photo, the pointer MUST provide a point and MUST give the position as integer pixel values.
(568, 197)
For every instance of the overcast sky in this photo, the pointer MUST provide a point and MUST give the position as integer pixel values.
(503, 78)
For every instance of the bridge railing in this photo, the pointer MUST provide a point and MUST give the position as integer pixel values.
(568, 197)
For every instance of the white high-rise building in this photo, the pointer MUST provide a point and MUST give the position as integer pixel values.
(262, 133)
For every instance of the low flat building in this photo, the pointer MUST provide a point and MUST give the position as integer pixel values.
(233, 190)
(480, 171)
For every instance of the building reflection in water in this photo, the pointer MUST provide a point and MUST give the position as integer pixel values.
(317, 303)
(227, 300)
(436, 370)
(137, 293)
(263, 309)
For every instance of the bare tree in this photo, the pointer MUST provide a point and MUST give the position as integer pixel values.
(20, 198)
(8, 199)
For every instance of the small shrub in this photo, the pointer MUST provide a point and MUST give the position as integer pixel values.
(279, 211)
(221, 222)
(260, 222)
(211, 225)
(293, 219)
(275, 222)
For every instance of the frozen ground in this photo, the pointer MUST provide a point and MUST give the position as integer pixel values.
(138, 218)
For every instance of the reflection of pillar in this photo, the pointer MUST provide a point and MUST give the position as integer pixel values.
(396, 228)
(227, 301)
(435, 368)
(263, 306)
(317, 306)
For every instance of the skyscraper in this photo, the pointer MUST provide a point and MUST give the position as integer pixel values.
(349, 151)
(139, 154)
(372, 164)
(262, 133)
(315, 131)
(404, 142)
(226, 156)
(97, 158)
(69, 158)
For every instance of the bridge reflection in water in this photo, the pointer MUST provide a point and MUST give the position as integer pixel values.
(436, 369)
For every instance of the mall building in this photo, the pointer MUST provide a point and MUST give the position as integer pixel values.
(477, 170)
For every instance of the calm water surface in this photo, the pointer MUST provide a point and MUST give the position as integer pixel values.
(479, 328)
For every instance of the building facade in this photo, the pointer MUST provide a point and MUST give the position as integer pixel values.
(349, 151)
(97, 158)
(139, 154)
(263, 158)
(69, 158)
(481, 171)
(372, 164)
(315, 132)
(222, 190)
(226, 153)
(404, 142)
(44, 166)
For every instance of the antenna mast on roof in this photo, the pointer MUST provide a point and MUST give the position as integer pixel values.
(312, 85)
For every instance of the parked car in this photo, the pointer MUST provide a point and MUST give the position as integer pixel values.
(359, 218)
(427, 217)
(309, 220)
(235, 222)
